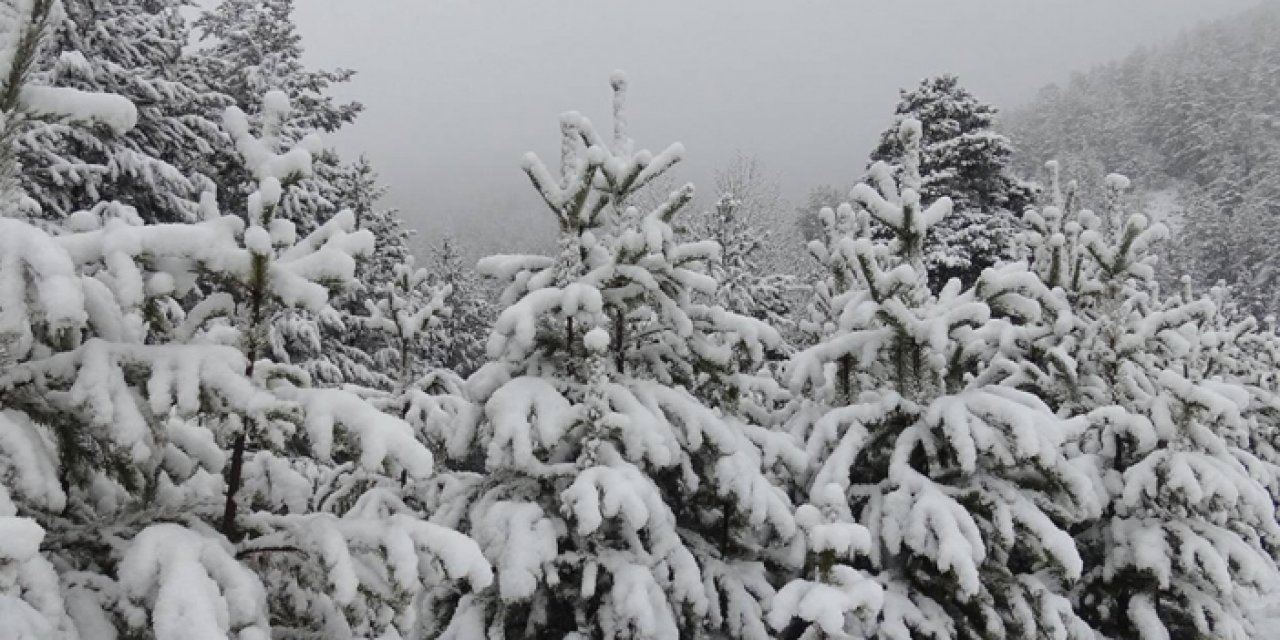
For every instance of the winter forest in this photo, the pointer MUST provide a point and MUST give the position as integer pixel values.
(1018, 378)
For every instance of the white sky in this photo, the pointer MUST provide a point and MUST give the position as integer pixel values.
(457, 90)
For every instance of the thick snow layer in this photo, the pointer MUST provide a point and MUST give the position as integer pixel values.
(115, 112)
(193, 585)
(381, 438)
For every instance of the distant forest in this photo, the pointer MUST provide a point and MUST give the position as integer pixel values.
(1195, 121)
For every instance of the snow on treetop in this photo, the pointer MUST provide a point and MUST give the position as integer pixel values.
(276, 102)
(1117, 181)
(618, 79)
(910, 130)
(596, 339)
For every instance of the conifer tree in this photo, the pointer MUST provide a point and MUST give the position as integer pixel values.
(124, 399)
(157, 167)
(349, 340)
(1174, 423)
(747, 284)
(605, 469)
(459, 345)
(940, 501)
(962, 157)
(252, 47)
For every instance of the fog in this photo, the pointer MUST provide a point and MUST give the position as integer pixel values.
(456, 91)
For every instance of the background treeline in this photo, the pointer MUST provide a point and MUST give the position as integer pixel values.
(1196, 122)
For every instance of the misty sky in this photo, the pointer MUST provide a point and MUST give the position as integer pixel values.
(457, 90)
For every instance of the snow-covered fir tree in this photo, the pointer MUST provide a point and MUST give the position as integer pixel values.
(252, 47)
(747, 285)
(964, 158)
(161, 477)
(255, 47)
(135, 50)
(602, 460)
(459, 345)
(1176, 411)
(348, 339)
(234, 405)
(940, 503)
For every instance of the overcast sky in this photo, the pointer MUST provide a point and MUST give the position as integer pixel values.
(457, 90)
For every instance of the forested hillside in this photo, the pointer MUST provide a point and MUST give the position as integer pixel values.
(1197, 119)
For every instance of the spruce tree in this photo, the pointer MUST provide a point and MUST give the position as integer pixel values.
(747, 283)
(250, 48)
(940, 503)
(162, 477)
(459, 345)
(1175, 420)
(158, 166)
(364, 352)
(964, 158)
(606, 469)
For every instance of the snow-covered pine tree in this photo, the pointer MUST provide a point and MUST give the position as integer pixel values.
(359, 498)
(252, 47)
(348, 340)
(121, 393)
(459, 345)
(255, 48)
(604, 468)
(1175, 414)
(963, 158)
(940, 501)
(747, 284)
(134, 50)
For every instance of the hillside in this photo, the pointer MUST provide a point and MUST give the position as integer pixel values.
(1196, 123)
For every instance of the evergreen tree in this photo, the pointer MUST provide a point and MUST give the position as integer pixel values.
(252, 47)
(940, 503)
(124, 399)
(1195, 122)
(459, 345)
(606, 469)
(961, 157)
(134, 50)
(747, 285)
(1175, 416)
(361, 351)
(255, 48)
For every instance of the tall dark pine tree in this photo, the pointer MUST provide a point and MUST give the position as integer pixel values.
(964, 158)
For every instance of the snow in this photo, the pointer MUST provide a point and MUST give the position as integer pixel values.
(521, 541)
(525, 414)
(382, 438)
(596, 339)
(19, 538)
(115, 112)
(826, 605)
(193, 586)
(615, 491)
(30, 461)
